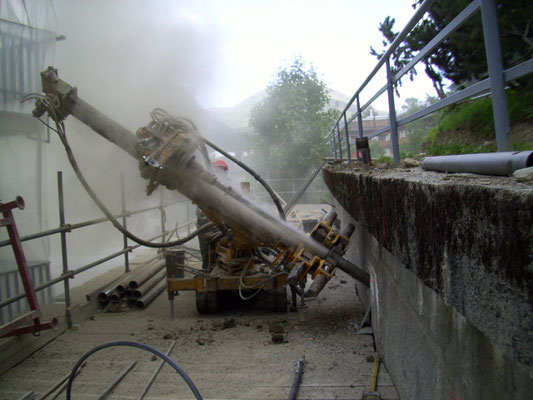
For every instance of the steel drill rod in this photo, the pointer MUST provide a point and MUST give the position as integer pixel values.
(73, 273)
(115, 383)
(123, 284)
(102, 124)
(152, 378)
(151, 295)
(297, 379)
(201, 187)
(105, 295)
(146, 273)
(115, 297)
(148, 285)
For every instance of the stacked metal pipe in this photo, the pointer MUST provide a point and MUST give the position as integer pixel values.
(137, 288)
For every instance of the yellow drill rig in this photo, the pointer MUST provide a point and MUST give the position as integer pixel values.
(252, 250)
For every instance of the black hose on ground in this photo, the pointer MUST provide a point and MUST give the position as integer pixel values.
(254, 174)
(142, 346)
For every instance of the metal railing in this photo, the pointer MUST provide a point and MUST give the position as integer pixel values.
(11, 283)
(65, 228)
(494, 84)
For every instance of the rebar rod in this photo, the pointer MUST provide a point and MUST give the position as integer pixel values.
(59, 383)
(65, 383)
(152, 378)
(115, 383)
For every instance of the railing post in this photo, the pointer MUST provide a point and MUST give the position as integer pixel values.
(349, 155)
(339, 142)
(124, 222)
(359, 118)
(392, 115)
(334, 144)
(163, 216)
(493, 51)
(64, 257)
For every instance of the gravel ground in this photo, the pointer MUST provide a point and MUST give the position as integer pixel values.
(242, 353)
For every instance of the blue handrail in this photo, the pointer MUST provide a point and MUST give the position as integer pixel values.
(494, 84)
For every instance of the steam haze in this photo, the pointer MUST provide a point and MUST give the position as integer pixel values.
(126, 58)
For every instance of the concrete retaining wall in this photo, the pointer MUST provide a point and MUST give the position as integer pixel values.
(451, 260)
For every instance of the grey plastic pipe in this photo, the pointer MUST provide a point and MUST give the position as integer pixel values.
(502, 163)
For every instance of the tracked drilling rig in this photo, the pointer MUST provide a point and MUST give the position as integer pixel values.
(253, 250)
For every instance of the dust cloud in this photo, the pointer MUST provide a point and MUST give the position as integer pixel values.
(126, 58)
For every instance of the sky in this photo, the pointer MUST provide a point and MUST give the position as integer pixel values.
(335, 36)
(216, 53)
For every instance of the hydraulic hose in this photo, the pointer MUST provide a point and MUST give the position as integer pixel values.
(254, 174)
(142, 346)
(61, 132)
(113, 220)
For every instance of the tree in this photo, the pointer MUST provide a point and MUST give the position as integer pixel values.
(415, 131)
(461, 57)
(289, 124)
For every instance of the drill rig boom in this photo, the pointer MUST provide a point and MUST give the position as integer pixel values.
(165, 151)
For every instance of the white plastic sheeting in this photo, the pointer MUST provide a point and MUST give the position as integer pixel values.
(27, 42)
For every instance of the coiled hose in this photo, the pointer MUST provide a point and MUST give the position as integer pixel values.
(142, 346)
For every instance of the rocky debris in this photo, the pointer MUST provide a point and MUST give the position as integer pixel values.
(276, 328)
(410, 162)
(524, 174)
(167, 336)
(200, 341)
(278, 338)
(229, 323)
(120, 306)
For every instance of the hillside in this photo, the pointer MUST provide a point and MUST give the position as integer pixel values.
(237, 117)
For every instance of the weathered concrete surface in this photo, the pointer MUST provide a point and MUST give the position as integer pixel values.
(451, 259)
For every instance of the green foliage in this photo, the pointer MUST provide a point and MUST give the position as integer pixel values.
(472, 116)
(468, 127)
(382, 159)
(520, 105)
(416, 131)
(461, 58)
(445, 149)
(376, 150)
(289, 124)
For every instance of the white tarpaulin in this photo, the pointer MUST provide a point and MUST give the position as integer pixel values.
(27, 42)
